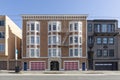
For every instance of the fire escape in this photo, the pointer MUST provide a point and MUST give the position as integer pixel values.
(65, 35)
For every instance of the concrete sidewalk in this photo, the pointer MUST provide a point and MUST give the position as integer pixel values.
(62, 72)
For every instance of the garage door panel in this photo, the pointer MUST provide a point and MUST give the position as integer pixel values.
(71, 65)
(37, 65)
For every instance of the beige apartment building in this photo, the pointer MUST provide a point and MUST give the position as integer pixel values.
(54, 42)
(10, 42)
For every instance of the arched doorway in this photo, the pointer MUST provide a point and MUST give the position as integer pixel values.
(54, 65)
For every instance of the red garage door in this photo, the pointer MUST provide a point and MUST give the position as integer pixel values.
(71, 65)
(37, 65)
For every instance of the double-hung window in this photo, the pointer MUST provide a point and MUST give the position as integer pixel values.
(2, 23)
(75, 52)
(99, 41)
(105, 40)
(2, 47)
(99, 53)
(104, 27)
(105, 53)
(111, 41)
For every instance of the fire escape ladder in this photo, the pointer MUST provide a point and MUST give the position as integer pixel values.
(66, 31)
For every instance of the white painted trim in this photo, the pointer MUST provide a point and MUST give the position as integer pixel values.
(71, 61)
(34, 53)
(57, 36)
(36, 61)
(73, 36)
(73, 52)
(56, 53)
(54, 23)
(73, 26)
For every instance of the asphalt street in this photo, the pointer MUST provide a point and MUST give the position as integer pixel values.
(58, 77)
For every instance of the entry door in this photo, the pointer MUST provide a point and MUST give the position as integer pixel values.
(25, 66)
(54, 65)
(83, 66)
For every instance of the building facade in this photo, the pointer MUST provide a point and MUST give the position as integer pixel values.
(10, 41)
(54, 42)
(103, 52)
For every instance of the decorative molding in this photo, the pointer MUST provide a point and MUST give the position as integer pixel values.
(54, 17)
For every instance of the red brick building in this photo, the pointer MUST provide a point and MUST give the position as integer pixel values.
(54, 42)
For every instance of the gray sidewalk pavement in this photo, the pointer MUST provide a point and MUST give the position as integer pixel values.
(62, 72)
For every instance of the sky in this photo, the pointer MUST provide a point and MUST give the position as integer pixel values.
(96, 9)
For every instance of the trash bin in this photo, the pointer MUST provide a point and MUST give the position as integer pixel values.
(17, 69)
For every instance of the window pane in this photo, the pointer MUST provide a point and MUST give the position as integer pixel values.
(71, 27)
(76, 26)
(49, 39)
(89, 27)
(104, 28)
(2, 47)
(109, 27)
(58, 52)
(54, 39)
(71, 40)
(32, 26)
(37, 52)
(38, 27)
(2, 23)
(76, 39)
(99, 41)
(32, 53)
(49, 27)
(76, 52)
(28, 40)
(28, 27)
(80, 52)
(49, 52)
(113, 28)
(54, 52)
(104, 40)
(99, 53)
(111, 40)
(71, 52)
(105, 53)
(97, 27)
(32, 40)
(38, 40)
(54, 27)
(111, 53)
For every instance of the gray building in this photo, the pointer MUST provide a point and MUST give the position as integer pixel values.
(103, 44)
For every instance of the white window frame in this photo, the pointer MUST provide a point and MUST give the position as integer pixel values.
(58, 26)
(73, 40)
(73, 26)
(58, 52)
(35, 53)
(73, 49)
(28, 40)
(28, 28)
(58, 38)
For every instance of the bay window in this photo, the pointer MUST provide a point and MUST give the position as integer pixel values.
(54, 52)
(75, 26)
(54, 26)
(75, 52)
